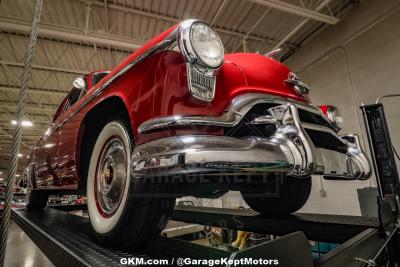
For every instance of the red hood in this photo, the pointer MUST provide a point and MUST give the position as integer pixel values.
(264, 74)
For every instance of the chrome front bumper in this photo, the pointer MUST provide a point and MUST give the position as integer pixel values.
(288, 151)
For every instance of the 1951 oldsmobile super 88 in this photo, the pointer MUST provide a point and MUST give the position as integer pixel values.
(181, 110)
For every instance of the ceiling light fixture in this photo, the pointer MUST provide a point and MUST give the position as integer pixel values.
(20, 155)
(24, 123)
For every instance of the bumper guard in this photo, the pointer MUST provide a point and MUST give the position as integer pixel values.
(289, 151)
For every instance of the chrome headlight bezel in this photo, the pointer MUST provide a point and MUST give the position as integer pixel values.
(201, 76)
(188, 49)
(335, 117)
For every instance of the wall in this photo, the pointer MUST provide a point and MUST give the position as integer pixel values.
(355, 61)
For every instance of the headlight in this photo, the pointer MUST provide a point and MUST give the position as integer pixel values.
(200, 44)
(334, 116)
(204, 53)
(206, 45)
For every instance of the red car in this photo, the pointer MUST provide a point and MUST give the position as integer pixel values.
(179, 117)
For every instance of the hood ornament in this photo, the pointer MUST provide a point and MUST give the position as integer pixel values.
(300, 87)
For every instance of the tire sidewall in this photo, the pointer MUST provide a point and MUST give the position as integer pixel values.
(101, 224)
(293, 194)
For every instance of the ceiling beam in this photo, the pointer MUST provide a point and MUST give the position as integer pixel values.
(70, 34)
(34, 90)
(26, 138)
(299, 26)
(22, 143)
(30, 107)
(44, 67)
(175, 20)
(69, 43)
(31, 131)
(31, 137)
(219, 10)
(9, 116)
(297, 10)
(30, 104)
(22, 149)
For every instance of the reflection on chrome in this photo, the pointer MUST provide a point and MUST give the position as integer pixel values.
(289, 151)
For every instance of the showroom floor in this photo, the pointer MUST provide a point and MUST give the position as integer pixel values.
(21, 251)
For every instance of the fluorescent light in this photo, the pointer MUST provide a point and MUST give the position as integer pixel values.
(24, 123)
(1, 172)
(20, 155)
(1, 179)
(17, 175)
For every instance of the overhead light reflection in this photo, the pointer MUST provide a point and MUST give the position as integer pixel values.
(49, 145)
(24, 123)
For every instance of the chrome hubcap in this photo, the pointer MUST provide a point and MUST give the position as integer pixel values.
(111, 176)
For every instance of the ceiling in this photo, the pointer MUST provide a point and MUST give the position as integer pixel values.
(78, 36)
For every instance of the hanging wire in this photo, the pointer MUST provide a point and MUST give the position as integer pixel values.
(12, 169)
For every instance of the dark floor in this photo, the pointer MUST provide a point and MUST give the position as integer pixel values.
(22, 252)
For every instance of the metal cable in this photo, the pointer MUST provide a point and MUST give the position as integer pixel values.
(12, 169)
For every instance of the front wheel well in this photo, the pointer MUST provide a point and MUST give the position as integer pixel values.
(91, 126)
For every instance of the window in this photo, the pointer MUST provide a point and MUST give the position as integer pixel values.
(98, 77)
(74, 97)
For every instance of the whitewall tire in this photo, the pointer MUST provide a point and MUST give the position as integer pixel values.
(108, 177)
(123, 212)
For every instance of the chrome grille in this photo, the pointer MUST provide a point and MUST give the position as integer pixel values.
(201, 85)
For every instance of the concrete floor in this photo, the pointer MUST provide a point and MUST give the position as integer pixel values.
(22, 252)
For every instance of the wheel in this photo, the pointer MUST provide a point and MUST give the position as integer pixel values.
(122, 212)
(37, 199)
(292, 195)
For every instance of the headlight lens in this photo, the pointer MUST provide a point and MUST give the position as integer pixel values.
(206, 45)
(335, 116)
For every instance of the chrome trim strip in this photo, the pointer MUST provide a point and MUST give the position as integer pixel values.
(237, 110)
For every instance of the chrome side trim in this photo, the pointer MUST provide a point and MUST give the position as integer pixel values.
(237, 110)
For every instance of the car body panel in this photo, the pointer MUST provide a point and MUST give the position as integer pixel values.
(156, 86)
